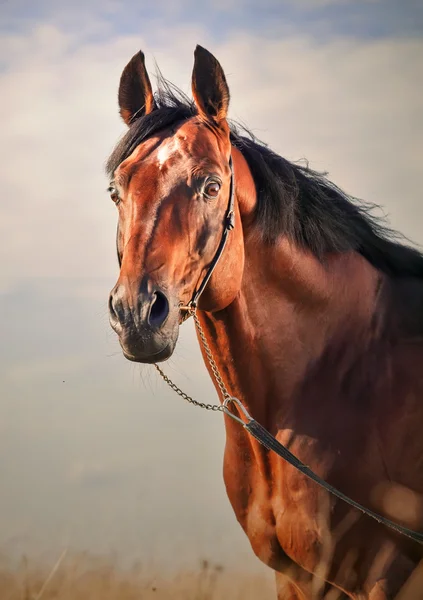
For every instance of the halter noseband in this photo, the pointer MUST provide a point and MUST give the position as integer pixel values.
(228, 226)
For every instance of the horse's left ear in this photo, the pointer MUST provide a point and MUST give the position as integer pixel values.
(135, 91)
(209, 87)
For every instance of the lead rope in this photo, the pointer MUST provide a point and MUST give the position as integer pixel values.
(267, 440)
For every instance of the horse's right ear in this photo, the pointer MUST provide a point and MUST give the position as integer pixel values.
(135, 92)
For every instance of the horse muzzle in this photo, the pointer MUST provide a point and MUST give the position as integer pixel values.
(146, 323)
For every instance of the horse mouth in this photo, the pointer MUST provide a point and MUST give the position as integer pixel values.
(159, 356)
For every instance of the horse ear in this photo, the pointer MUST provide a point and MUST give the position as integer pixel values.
(135, 91)
(209, 87)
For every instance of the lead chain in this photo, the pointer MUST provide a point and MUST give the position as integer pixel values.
(214, 368)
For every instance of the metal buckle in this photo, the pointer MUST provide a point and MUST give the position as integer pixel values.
(185, 312)
(230, 220)
(232, 399)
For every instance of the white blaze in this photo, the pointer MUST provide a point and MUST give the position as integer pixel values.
(166, 150)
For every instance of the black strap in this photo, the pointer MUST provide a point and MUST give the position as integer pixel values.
(269, 441)
(228, 226)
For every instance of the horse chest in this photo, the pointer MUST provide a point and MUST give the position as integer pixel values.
(281, 511)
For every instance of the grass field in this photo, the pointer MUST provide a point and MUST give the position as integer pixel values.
(84, 577)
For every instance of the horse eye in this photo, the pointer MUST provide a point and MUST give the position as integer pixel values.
(114, 194)
(212, 189)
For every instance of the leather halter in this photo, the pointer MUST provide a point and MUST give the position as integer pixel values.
(229, 224)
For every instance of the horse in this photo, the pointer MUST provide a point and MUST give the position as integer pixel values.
(312, 314)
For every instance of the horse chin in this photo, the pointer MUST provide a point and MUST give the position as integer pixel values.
(150, 359)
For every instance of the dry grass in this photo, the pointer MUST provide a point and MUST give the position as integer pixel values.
(83, 577)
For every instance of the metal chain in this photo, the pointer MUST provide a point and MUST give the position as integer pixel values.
(175, 388)
(215, 371)
(210, 358)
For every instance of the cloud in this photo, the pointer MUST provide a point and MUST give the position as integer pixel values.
(317, 4)
(90, 20)
(350, 106)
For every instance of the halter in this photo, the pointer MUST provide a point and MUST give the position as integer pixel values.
(228, 226)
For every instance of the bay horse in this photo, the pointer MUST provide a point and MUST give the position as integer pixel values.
(314, 317)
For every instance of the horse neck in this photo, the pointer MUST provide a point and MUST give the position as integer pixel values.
(289, 310)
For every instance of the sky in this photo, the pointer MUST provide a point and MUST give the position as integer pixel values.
(95, 452)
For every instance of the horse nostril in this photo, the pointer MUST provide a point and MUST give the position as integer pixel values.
(116, 311)
(112, 311)
(159, 310)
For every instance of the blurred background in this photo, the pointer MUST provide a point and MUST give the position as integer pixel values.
(96, 453)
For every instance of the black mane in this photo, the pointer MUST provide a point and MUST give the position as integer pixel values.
(292, 200)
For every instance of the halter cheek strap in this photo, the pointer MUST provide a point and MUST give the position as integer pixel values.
(228, 226)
